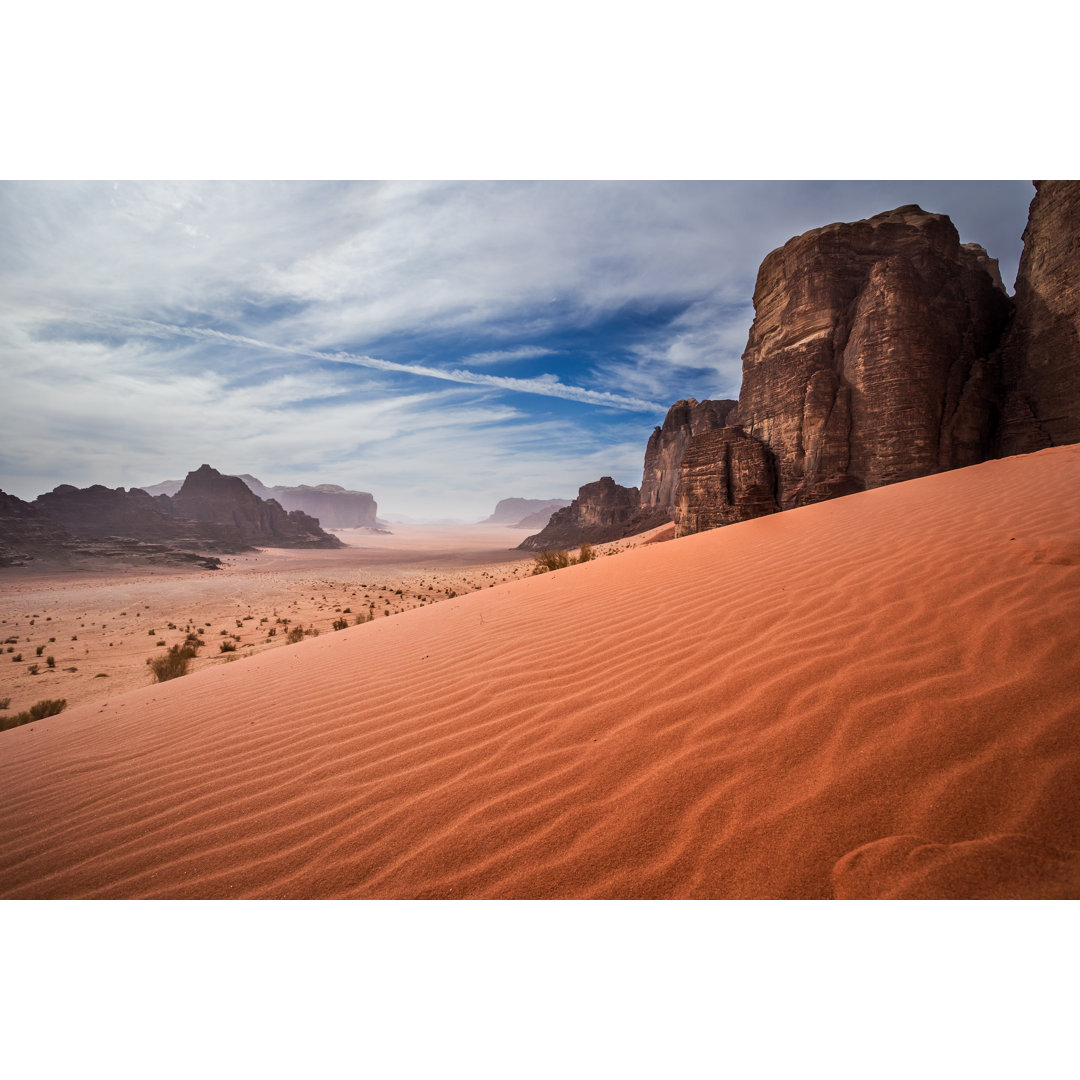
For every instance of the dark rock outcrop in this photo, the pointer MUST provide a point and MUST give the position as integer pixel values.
(26, 531)
(727, 476)
(1041, 354)
(207, 495)
(667, 444)
(601, 512)
(523, 513)
(335, 507)
(97, 512)
(869, 357)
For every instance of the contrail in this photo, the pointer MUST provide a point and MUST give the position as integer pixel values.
(543, 385)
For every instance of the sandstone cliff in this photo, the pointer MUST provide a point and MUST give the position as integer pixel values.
(97, 512)
(207, 495)
(601, 512)
(335, 507)
(26, 531)
(522, 513)
(667, 444)
(1041, 354)
(868, 358)
(727, 476)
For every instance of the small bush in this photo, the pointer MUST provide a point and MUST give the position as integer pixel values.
(40, 649)
(5, 702)
(17, 658)
(586, 553)
(172, 665)
(48, 707)
(550, 560)
(51, 661)
(295, 634)
(341, 624)
(227, 646)
(32, 669)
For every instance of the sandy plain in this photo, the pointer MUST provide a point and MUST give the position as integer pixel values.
(874, 697)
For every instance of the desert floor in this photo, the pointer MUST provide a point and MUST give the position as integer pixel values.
(102, 626)
(874, 697)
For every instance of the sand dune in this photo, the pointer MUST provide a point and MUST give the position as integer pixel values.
(873, 697)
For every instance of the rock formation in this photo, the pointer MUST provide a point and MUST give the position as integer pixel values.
(727, 476)
(667, 444)
(521, 513)
(869, 357)
(25, 531)
(97, 512)
(601, 512)
(335, 507)
(1041, 354)
(207, 495)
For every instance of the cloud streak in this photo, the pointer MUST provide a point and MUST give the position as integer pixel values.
(542, 385)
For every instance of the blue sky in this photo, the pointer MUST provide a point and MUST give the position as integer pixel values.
(442, 345)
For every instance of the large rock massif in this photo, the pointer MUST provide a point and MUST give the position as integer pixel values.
(210, 513)
(881, 350)
(868, 358)
(522, 513)
(1041, 354)
(602, 511)
(335, 507)
(207, 495)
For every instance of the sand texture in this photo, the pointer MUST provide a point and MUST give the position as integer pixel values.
(873, 697)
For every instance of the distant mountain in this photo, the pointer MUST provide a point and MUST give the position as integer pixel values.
(335, 507)
(524, 513)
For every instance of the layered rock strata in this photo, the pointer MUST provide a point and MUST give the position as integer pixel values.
(726, 476)
(869, 358)
(1041, 354)
(602, 511)
(667, 445)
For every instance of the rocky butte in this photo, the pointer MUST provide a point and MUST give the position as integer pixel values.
(881, 350)
(207, 495)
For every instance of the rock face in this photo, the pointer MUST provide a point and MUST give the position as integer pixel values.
(335, 507)
(522, 513)
(667, 445)
(207, 495)
(97, 512)
(869, 357)
(1041, 355)
(601, 512)
(26, 530)
(727, 476)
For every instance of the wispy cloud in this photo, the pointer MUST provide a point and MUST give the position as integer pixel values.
(499, 356)
(543, 385)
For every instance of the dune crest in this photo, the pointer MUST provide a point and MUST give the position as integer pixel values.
(730, 715)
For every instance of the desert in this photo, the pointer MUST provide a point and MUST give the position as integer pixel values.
(870, 697)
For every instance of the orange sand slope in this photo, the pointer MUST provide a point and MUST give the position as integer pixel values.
(872, 697)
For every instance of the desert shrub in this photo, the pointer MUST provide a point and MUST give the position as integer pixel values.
(51, 661)
(48, 707)
(32, 669)
(272, 632)
(5, 702)
(40, 649)
(173, 664)
(295, 634)
(550, 560)
(17, 658)
(227, 646)
(586, 553)
(340, 624)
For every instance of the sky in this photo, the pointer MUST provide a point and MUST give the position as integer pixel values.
(442, 345)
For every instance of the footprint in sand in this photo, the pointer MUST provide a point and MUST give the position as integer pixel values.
(1006, 867)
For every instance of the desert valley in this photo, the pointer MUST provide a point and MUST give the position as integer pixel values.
(828, 648)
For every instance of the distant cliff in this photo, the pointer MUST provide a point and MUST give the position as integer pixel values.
(335, 507)
(209, 496)
(521, 513)
(602, 511)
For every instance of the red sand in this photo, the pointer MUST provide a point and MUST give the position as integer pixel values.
(873, 697)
